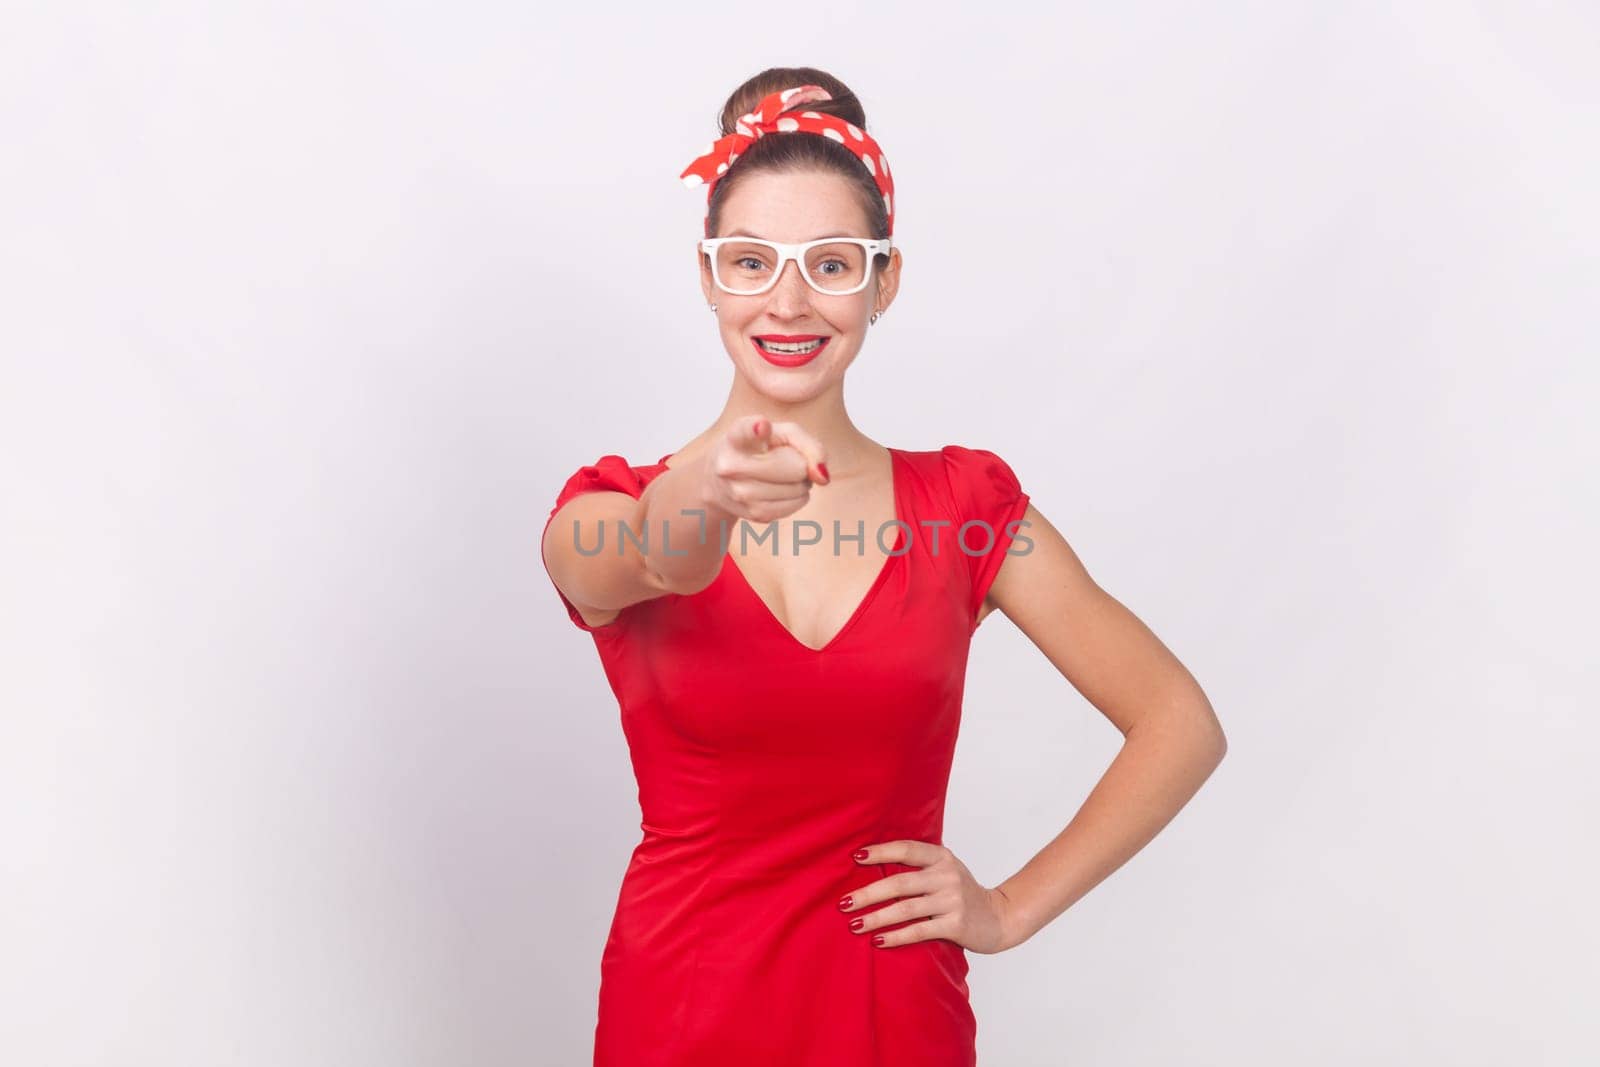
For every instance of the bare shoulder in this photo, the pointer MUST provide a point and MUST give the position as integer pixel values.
(1040, 575)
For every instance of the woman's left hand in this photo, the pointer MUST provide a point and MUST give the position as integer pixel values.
(943, 894)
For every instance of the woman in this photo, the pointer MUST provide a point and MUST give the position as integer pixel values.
(792, 718)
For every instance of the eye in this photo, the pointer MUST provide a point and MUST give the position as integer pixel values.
(743, 261)
(832, 263)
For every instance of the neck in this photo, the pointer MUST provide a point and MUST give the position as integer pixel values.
(823, 417)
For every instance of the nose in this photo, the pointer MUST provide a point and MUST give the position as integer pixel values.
(790, 296)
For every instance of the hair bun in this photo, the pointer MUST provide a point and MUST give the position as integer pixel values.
(841, 101)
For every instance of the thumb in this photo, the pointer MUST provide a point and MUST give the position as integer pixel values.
(808, 446)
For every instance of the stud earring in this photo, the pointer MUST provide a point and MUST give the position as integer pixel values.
(874, 318)
(713, 309)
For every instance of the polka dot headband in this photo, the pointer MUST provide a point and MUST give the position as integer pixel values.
(709, 168)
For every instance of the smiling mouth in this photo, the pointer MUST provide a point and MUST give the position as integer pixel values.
(782, 348)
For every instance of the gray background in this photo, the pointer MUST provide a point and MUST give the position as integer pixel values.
(1282, 312)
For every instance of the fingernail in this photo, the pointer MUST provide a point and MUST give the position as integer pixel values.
(845, 903)
(823, 467)
(857, 924)
(860, 854)
(878, 940)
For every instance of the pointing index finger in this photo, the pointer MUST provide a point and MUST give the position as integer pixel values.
(752, 434)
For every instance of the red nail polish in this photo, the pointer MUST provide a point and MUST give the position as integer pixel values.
(823, 467)
(845, 903)
(857, 924)
(878, 940)
(860, 854)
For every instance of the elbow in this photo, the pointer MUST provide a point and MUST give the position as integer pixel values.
(1208, 728)
(1215, 740)
(1206, 738)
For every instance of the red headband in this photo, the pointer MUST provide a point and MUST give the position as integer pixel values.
(709, 168)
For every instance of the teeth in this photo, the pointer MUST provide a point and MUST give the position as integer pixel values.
(794, 350)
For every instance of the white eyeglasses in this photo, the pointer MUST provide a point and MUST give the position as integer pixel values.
(833, 266)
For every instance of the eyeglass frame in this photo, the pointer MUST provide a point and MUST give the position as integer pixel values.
(875, 247)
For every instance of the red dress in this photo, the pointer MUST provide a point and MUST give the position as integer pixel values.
(763, 763)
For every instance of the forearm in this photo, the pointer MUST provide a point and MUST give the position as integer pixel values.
(683, 527)
(1162, 763)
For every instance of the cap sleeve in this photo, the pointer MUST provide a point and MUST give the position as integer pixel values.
(609, 473)
(988, 499)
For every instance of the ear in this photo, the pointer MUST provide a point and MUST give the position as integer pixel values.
(704, 267)
(888, 282)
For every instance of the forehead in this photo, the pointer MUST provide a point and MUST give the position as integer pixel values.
(799, 206)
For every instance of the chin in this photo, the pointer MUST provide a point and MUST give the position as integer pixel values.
(784, 386)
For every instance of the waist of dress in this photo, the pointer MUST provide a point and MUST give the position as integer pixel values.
(803, 850)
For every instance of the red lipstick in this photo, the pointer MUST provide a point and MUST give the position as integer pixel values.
(789, 359)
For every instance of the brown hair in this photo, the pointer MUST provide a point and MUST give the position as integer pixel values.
(796, 152)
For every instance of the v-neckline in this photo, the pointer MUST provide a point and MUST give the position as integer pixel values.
(866, 600)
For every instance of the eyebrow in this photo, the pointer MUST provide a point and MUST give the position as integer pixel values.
(757, 236)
